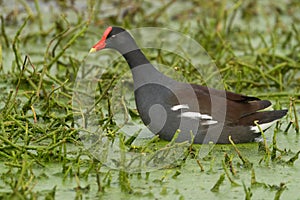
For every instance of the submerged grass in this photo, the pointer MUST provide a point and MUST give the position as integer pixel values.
(40, 56)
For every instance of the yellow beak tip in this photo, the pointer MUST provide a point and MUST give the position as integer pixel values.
(92, 50)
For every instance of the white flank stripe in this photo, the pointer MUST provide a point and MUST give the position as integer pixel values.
(262, 126)
(209, 122)
(206, 116)
(195, 115)
(181, 106)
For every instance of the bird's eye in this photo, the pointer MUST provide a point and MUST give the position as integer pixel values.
(113, 36)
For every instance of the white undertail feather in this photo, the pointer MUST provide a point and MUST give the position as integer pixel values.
(262, 126)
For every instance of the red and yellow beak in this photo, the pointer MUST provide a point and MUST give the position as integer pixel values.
(101, 44)
(92, 50)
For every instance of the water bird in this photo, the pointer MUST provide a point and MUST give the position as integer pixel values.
(202, 114)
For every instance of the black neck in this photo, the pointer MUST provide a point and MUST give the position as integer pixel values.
(135, 58)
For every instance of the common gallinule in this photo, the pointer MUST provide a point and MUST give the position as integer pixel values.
(199, 112)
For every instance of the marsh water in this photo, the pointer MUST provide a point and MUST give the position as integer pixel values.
(67, 170)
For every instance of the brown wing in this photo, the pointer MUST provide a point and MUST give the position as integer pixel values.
(240, 109)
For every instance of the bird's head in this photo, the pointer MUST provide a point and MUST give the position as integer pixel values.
(115, 38)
